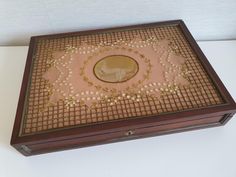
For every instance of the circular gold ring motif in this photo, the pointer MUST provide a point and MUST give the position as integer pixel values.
(106, 89)
(115, 68)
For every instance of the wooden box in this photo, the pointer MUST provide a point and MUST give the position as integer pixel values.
(101, 86)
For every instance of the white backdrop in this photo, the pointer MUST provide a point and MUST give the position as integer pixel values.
(20, 19)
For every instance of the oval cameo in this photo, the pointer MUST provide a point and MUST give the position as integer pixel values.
(115, 68)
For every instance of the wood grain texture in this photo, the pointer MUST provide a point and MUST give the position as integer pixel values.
(116, 131)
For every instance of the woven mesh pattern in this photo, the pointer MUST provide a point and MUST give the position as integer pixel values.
(200, 93)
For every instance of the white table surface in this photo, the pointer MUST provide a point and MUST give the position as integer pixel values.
(202, 153)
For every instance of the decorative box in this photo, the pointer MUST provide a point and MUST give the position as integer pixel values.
(101, 86)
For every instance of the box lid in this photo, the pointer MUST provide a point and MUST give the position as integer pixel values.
(84, 83)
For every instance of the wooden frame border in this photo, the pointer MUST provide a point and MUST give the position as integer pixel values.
(21, 142)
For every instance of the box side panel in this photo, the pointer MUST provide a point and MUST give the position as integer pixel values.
(123, 135)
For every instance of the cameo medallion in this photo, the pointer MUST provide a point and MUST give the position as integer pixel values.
(115, 68)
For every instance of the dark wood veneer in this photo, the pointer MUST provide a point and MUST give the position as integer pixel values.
(116, 131)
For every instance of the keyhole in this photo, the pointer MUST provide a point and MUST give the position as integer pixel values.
(130, 132)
